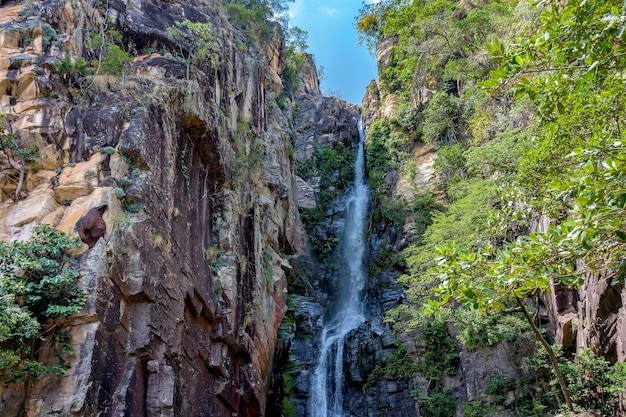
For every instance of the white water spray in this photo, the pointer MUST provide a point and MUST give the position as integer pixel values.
(326, 396)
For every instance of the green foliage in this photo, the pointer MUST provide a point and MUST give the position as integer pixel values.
(26, 10)
(290, 80)
(268, 272)
(386, 257)
(24, 156)
(306, 169)
(249, 152)
(74, 71)
(397, 365)
(441, 119)
(335, 166)
(450, 162)
(133, 207)
(424, 207)
(436, 404)
(8, 145)
(295, 51)
(376, 151)
(501, 156)
(594, 383)
(49, 34)
(254, 20)
(288, 408)
(28, 155)
(335, 169)
(440, 356)
(394, 213)
(547, 140)
(498, 388)
(477, 331)
(445, 35)
(296, 40)
(461, 214)
(495, 398)
(112, 57)
(387, 147)
(35, 286)
(198, 43)
(109, 150)
(263, 10)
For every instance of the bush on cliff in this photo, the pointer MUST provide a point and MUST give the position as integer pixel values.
(37, 290)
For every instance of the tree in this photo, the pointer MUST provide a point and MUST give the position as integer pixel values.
(296, 40)
(570, 70)
(490, 281)
(17, 155)
(197, 42)
(36, 289)
(108, 45)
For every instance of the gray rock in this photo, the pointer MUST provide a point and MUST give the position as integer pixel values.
(306, 194)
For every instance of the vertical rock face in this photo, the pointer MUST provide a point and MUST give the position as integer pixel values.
(187, 286)
(319, 122)
(591, 317)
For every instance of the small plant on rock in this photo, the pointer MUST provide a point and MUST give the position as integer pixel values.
(197, 42)
(73, 72)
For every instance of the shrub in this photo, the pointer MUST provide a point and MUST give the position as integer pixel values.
(441, 118)
(394, 213)
(450, 162)
(35, 286)
(73, 72)
(376, 153)
(594, 383)
(253, 20)
(198, 43)
(437, 404)
(476, 331)
(113, 59)
(49, 34)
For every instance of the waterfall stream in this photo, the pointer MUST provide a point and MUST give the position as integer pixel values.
(326, 397)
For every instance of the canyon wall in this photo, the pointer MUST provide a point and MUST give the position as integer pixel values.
(195, 163)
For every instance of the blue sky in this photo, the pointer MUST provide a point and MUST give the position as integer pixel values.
(333, 40)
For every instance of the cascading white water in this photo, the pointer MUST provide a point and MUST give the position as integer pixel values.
(325, 397)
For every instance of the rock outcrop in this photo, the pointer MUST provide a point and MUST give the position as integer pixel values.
(592, 316)
(185, 270)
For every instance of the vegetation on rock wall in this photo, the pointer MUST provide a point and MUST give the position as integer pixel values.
(17, 154)
(525, 102)
(333, 166)
(37, 290)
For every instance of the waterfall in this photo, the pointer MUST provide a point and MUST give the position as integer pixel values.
(326, 397)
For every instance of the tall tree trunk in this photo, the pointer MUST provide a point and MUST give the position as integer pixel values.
(553, 360)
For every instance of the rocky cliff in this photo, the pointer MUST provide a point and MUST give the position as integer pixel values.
(195, 162)
(326, 140)
(487, 378)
